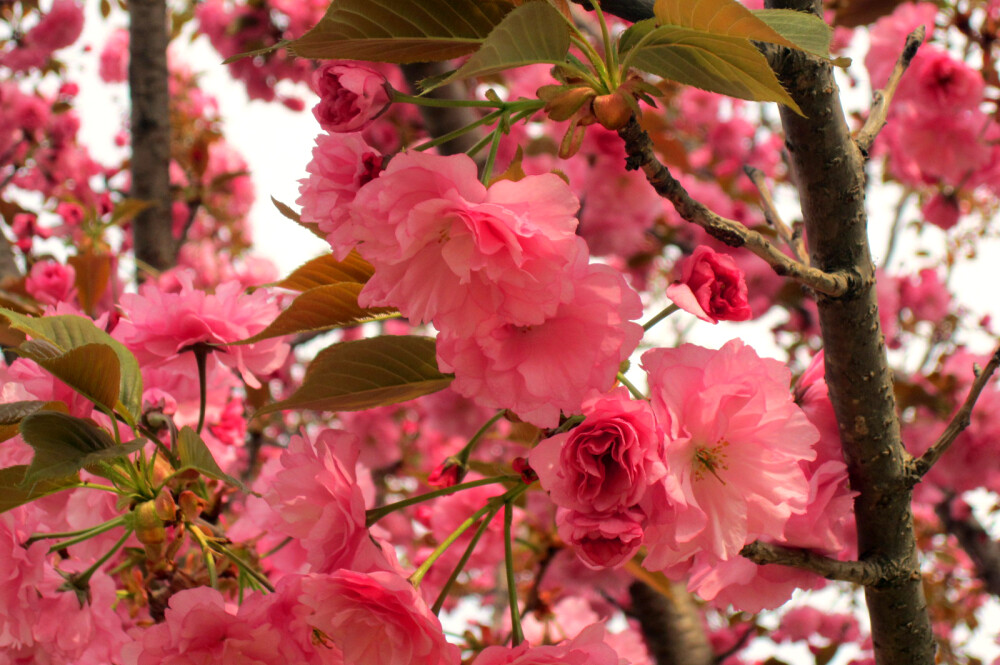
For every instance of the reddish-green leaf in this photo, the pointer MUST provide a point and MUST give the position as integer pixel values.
(352, 376)
(194, 454)
(289, 213)
(808, 32)
(63, 445)
(729, 65)
(718, 17)
(92, 370)
(532, 33)
(322, 308)
(12, 413)
(325, 270)
(401, 31)
(67, 332)
(15, 492)
(93, 274)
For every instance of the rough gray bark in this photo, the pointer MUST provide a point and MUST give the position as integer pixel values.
(150, 99)
(671, 626)
(829, 172)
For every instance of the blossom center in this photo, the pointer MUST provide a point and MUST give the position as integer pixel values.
(711, 459)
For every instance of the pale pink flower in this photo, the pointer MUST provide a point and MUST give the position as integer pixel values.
(925, 296)
(377, 619)
(447, 249)
(341, 164)
(588, 648)
(318, 498)
(745, 585)
(734, 440)
(538, 370)
(162, 325)
(114, 58)
(22, 581)
(50, 282)
(59, 27)
(711, 287)
(607, 462)
(888, 36)
(602, 540)
(351, 96)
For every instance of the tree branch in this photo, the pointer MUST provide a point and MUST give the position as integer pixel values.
(981, 548)
(828, 171)
(150, 99)
(773, 217)
(671, 626)
(441, 121)
(883, 98)
(865, 573)
(639, 148)
(959, 422)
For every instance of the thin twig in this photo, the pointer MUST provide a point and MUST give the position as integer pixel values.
(881, 99)
(897, 219)
(773, 217)
(639, 148)
(960, 421)
(865, 573)
(977, 543)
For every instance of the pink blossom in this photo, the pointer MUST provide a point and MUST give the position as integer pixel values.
(60, 27)
(351, 96)
(162, 325)
(602, 540)
(938, 81)
(114, 58)
(50, 282)
(942, 211)
(734, 440)
(447, 249)
(925, 296)
(377, 619)
(587, 648)
(317, 496)
(605, 463)
(538, 370)
(341, 164)
(888, 36)
(711, 287)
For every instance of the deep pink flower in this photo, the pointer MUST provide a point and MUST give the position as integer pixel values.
(50, 282)
(711, 287)
(538, 370)
(446, 248)
(734, 443)
(942, 211)
(587, 648)
(59, 28)
(319, 500)
(376, 619)
(114, 58)
(941, 82)
(925, 296)
(602, 540)
(607, 462)
(351, 96)
(341, 164)
(161, 325)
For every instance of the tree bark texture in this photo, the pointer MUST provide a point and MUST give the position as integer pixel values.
(828, 170)
(671, 626)
(155, 245)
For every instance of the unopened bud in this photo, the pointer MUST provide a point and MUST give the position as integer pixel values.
(191, 505)
(612, 111)
(562, 102)
(149, 529)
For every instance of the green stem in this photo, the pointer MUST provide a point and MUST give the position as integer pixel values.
(667, 311)
(464, 453)
(276, 548)
(100, 528)
(444, 138)
(517, 636)
(207, 553)
(492, 157)
(243, 566)
(460, 566)
(609, 52)
(399, 97)
(636, 393)
(418, 574)
(89, 533)
(375, 514)
(595, 61)
(85, 576)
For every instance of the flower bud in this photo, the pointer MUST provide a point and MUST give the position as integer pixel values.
(612, 111)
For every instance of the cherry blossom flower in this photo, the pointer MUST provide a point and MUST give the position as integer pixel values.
(711, 287)
(351, 96)
(50, 282)
(587, 648)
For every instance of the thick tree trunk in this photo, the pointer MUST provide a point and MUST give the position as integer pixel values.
(829, 172)
(671, 626)
(154, 241)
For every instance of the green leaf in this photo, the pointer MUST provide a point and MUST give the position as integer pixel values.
(12, 413)
(92, 370)
(14, 492)
(532, 33)
(63, 445)
(325, 270)
(401, 31)
(288, 212)
(67, 332)
(808, 32)
(718, 17)
(729, 65)
(352, 376)
(322, 308)
(194, 454)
